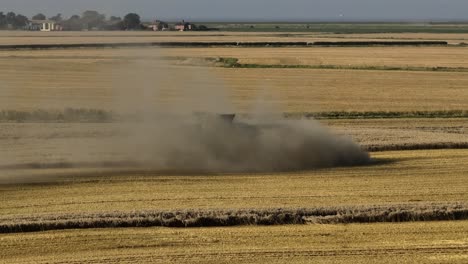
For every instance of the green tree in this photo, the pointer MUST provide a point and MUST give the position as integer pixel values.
(2, 20)
(202, 28)
(20, 21)
(114, 23)
(39, 16)
(10, 18)
(115, 19)
(92, 20)
(73, 23)
(132, 21)
(57, 18)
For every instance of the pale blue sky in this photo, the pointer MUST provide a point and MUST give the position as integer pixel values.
(253, 9)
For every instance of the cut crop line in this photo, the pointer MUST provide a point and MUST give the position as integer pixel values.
(84, 115)
(210, 218)
(226, 44)
(234, 63)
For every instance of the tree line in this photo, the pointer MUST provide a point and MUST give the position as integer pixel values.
(11, 20)
(93, 20)
(88, 20)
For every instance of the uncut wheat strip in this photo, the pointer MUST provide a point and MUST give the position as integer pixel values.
(336, 215)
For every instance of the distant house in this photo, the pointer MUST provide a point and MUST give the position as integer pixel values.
(159, 25)
(184, 26)
(44, 25)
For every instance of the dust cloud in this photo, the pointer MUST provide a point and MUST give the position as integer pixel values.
(171, 121)
(215, 145)
(178, 126)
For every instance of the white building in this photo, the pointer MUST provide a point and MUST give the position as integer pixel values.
(44, 25)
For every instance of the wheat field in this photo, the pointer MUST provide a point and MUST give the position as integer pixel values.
(342, 56)
(87, 79)
(57, 171)
(433, 242)
(25, 38)
(51, 143)
(397, 178)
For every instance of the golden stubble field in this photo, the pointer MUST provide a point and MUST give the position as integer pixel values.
(414, 177)
(402, 177)
(431, 242)
(88, 78)
(102, 78)
(22, 37)
(44, 143)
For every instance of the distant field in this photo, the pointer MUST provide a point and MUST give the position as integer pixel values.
(22, 37)
(92, 79)
(430, 57)
(72, 168)
(434, 242)
(402, 132)
(367, 56)
(25, 37)
(344, 28)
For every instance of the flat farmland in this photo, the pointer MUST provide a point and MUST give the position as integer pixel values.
(52, 143)
(58, 174)
(432, 242)
(429, 57)
(40, 79)
(26, 38)
(453, 57)
(402, 177)
(455, 38)
(402, 132)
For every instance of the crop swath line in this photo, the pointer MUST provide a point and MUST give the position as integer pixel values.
(85, 115)
(211, 218)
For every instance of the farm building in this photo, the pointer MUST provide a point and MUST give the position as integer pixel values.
(159, 25)
(44, 25)
(184, 26)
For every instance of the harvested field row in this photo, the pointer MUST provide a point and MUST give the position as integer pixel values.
(26, 38)
(381, 115)
(399, 36)
(345, 215)
(91, 84)
(69, 115)
(399, 57)
(41, 145)
(447, 136)
(377, 43)
(396, 178)
(83, 115)
(403, 134)
(189, 44)
(422, 242)
(184, 44)
(346, 27)
(234, 63)
(416, 146)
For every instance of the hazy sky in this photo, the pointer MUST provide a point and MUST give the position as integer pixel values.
(253, 9)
